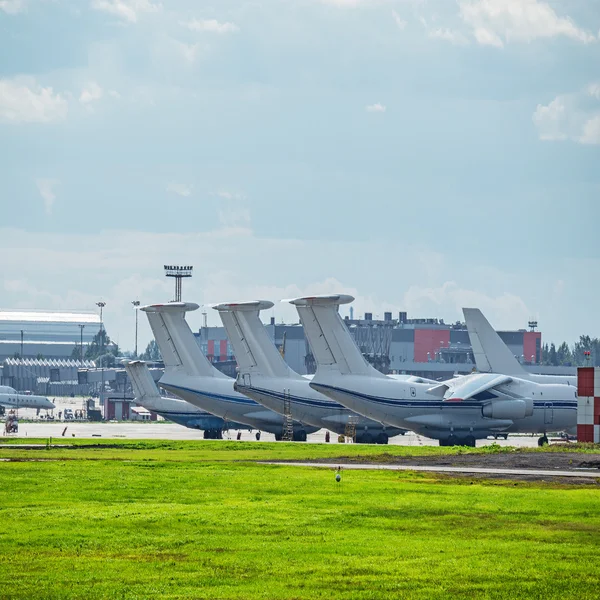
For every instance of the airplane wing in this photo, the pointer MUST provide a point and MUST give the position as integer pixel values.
(469, 386)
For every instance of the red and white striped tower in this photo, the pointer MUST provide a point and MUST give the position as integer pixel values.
(588, 404)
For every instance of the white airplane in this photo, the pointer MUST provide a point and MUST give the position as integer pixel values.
(264, 376)
(492, 355)
(458, 411)
(9, 398)
(190, 376)
(181, 412)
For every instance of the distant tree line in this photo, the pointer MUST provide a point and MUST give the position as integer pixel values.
(573, 356)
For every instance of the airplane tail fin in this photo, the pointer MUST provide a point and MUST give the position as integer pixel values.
(141, 381)
(177, 344)
(330, 340)
(492, 355)
(254, 350)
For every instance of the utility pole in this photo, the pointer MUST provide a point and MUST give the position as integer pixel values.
(101, 305)
(136, 303)
(21, 344)
(81, 326)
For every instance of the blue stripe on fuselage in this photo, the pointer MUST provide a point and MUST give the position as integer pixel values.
(566, 404)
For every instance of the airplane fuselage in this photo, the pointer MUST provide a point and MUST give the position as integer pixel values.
(9, 398)
(217, 396)
(310, 407)
(550, 407)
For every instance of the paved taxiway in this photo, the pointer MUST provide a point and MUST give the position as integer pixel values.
(171, 431)
(537, 473)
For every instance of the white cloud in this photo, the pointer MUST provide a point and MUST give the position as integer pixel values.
(126, 10)
(12, 7)
(46, 188)
(594, 90)
(22, 100)
(574, 117)
(226, 195)
(237, 218)
(449, 35)
(344, 3)
(550, 120)
(398, 20)
(211, 25)
(591, 131)
(493, 21)
(181, 189)
(375, 108)
(188, 51)
(233, 263)
(502, 310)
(91, 93)
(114, 94)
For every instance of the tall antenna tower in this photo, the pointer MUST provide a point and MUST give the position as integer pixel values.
(178, 273)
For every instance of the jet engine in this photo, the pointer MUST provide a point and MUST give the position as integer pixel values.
(508, 409)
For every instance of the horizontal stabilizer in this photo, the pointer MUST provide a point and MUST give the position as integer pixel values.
(254, 305)
(172, 307)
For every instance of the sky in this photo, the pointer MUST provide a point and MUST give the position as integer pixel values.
(421, 155)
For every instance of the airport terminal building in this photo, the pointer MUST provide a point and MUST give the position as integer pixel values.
(36, 334)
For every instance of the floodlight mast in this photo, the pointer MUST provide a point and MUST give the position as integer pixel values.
(178, 273)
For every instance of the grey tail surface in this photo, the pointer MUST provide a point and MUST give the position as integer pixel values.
(492, 355)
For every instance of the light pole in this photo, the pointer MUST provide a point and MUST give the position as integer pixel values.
(136, 303)
(81, 326)
(101, 305)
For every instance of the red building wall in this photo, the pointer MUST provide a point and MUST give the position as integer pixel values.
(530, 346)
(430, 340)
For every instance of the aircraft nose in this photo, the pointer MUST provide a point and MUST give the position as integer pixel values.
(50, 404)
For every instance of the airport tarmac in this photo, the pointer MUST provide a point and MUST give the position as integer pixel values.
(171, 431)
(32, 426)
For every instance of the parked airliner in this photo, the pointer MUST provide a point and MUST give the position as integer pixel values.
(190, 376)
(181, 412)
(457, 411)
(264, 376)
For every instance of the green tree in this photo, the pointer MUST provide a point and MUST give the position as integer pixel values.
(564, 355)
(101, 347)
(152, 352)
(587, 344)
(552, 359)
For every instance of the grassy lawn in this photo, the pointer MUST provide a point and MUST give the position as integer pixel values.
(193, 520)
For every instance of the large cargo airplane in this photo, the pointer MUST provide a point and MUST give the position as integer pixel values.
(492, 355)
(190, 376)
(458, 411)
(181, 412)
(265, 377)
(9, 398)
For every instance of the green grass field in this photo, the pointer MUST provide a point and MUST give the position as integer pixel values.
(198, 520)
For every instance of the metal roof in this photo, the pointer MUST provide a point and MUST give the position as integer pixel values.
(47, 362)
(48, 316)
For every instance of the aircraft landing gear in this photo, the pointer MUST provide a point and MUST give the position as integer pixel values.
(257, 436)
(543, 441)
(213, 434)
(382, 438)
(299, 436)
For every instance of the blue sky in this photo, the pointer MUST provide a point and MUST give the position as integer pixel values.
(422, 155)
